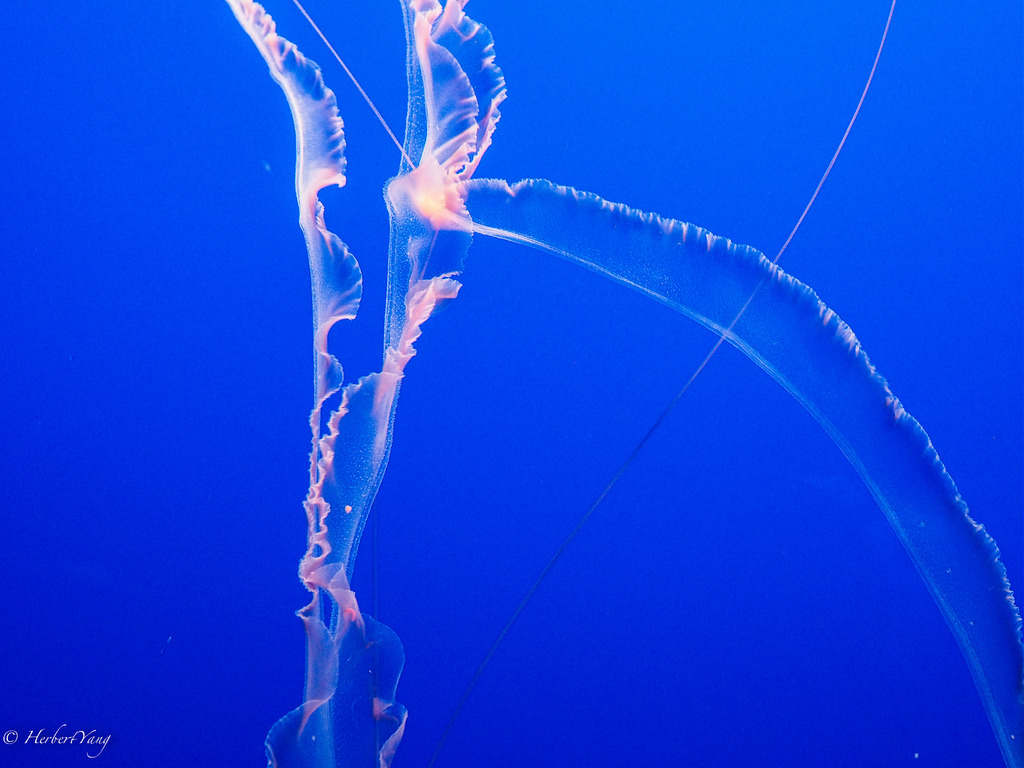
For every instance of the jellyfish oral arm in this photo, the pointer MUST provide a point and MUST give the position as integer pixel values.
(347, 653)
(802, 344)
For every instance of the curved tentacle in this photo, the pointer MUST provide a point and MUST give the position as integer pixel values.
(790, 333)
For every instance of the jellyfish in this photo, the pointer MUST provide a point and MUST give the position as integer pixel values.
(438, 205)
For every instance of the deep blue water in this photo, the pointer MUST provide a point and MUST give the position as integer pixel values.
(737, 600)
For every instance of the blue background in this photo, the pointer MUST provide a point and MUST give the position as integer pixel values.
(738, 599)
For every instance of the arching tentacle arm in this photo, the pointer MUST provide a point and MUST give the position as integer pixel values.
(816, 357)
